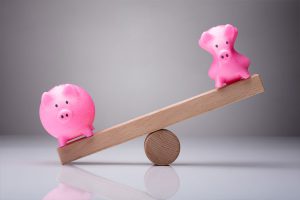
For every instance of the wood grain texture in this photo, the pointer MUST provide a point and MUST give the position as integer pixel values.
(162, 147)
(161, 118)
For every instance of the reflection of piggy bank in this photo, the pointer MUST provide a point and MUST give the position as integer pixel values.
(228, 65)
(66, 192)
(66, 112)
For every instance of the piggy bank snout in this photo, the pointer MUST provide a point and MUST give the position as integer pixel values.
(64, 115)
(224, 55)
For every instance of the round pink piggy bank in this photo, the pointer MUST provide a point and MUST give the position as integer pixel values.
(228, 65)
(67, 112)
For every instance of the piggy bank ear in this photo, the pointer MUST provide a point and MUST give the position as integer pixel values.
(46, 99)
(231, 32)
(204, 40)
(70, 90)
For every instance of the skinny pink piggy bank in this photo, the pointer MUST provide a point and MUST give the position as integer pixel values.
(66, 112)
(228, 65)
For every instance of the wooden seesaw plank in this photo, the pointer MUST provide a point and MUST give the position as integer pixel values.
(161, 118)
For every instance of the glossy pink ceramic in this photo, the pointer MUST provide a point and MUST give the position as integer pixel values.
(66, 112)
(228, 65)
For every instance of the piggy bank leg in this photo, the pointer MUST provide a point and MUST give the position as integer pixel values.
(92, 127)
(62, 141)
(87, 132)
(219, 82)
(244, 75)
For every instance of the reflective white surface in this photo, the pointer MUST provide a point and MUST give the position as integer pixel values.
(207, 168)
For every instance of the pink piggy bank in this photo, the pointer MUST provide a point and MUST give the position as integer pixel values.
(67, 112)
(228, 65)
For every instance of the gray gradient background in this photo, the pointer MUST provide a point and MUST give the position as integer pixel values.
(137, 56)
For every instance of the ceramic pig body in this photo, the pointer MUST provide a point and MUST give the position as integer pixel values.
(66, 112)
(228, 65)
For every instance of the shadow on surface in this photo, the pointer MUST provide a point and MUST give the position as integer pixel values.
(242, 164)
(215, 164)
(111, 163)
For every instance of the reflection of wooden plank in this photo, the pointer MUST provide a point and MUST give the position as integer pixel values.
(161, 118)
(102, 187)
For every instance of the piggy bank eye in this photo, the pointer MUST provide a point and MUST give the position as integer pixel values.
(217, 45)
(226, 42)
(56, 105)
(67, 102)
